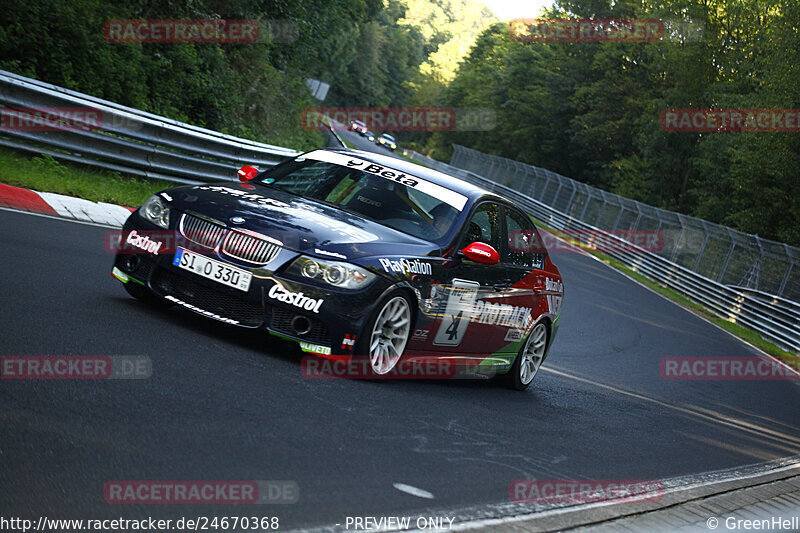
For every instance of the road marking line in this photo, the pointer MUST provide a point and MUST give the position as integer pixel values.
(702, 413)
(414, 491)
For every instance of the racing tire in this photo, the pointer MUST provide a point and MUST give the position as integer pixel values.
(529, 359)
(386, 334)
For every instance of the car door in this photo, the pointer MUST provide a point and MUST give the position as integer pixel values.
(469, 285)
(524, 290)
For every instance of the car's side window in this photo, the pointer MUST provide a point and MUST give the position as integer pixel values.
(525, 247)
(484, 226)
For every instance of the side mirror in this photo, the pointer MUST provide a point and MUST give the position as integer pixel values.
(247, 173)
(481, 253)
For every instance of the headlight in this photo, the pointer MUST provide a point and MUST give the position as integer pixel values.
(155, 210)
(394, 146)
(343, 275)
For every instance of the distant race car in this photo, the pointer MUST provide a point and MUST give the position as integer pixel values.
(387, 141)
(358, 127)
(354, 255)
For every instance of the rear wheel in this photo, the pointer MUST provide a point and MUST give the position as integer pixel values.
(386, 334)
(529, 359)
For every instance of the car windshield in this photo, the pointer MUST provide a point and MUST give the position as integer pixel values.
(391, 203)
(388, 137)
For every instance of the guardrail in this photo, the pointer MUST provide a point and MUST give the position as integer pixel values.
(332, 132)
(125, 139)
(775, 319)
(717, 252)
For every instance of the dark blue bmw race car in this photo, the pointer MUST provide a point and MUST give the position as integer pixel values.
(354, 254)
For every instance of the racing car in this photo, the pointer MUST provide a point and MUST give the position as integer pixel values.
(354, 254)
(387, 141)
(358, 127)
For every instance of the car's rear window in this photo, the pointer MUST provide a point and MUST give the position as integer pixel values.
(389, 202)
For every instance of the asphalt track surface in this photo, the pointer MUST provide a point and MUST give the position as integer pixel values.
(223, 404)
(362, 143)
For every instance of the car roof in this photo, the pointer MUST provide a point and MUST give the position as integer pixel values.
(455, 184)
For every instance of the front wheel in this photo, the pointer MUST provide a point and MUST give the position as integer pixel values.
(529, 359)
(386, 334)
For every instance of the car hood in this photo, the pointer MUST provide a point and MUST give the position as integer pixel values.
(301, 224)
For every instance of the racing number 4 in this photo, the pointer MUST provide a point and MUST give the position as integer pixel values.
(460, 299)
(452, 329)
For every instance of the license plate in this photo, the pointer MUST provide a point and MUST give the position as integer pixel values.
(212, 269)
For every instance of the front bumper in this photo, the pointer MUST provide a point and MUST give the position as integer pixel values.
(330, 331)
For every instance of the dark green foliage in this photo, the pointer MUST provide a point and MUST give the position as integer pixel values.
(590, 110)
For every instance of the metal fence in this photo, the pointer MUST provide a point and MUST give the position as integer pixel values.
(776, 319)
(713, 251)
(115, 137)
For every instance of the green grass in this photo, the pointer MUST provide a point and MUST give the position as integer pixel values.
(738, 330)
(45, 174)
(347, 144)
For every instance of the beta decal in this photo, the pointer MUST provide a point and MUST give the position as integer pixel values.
(143, 242)
(201, 311)
(444, 194)
(404, 266)
(383, 172)
(297, 299)
(257, 198)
